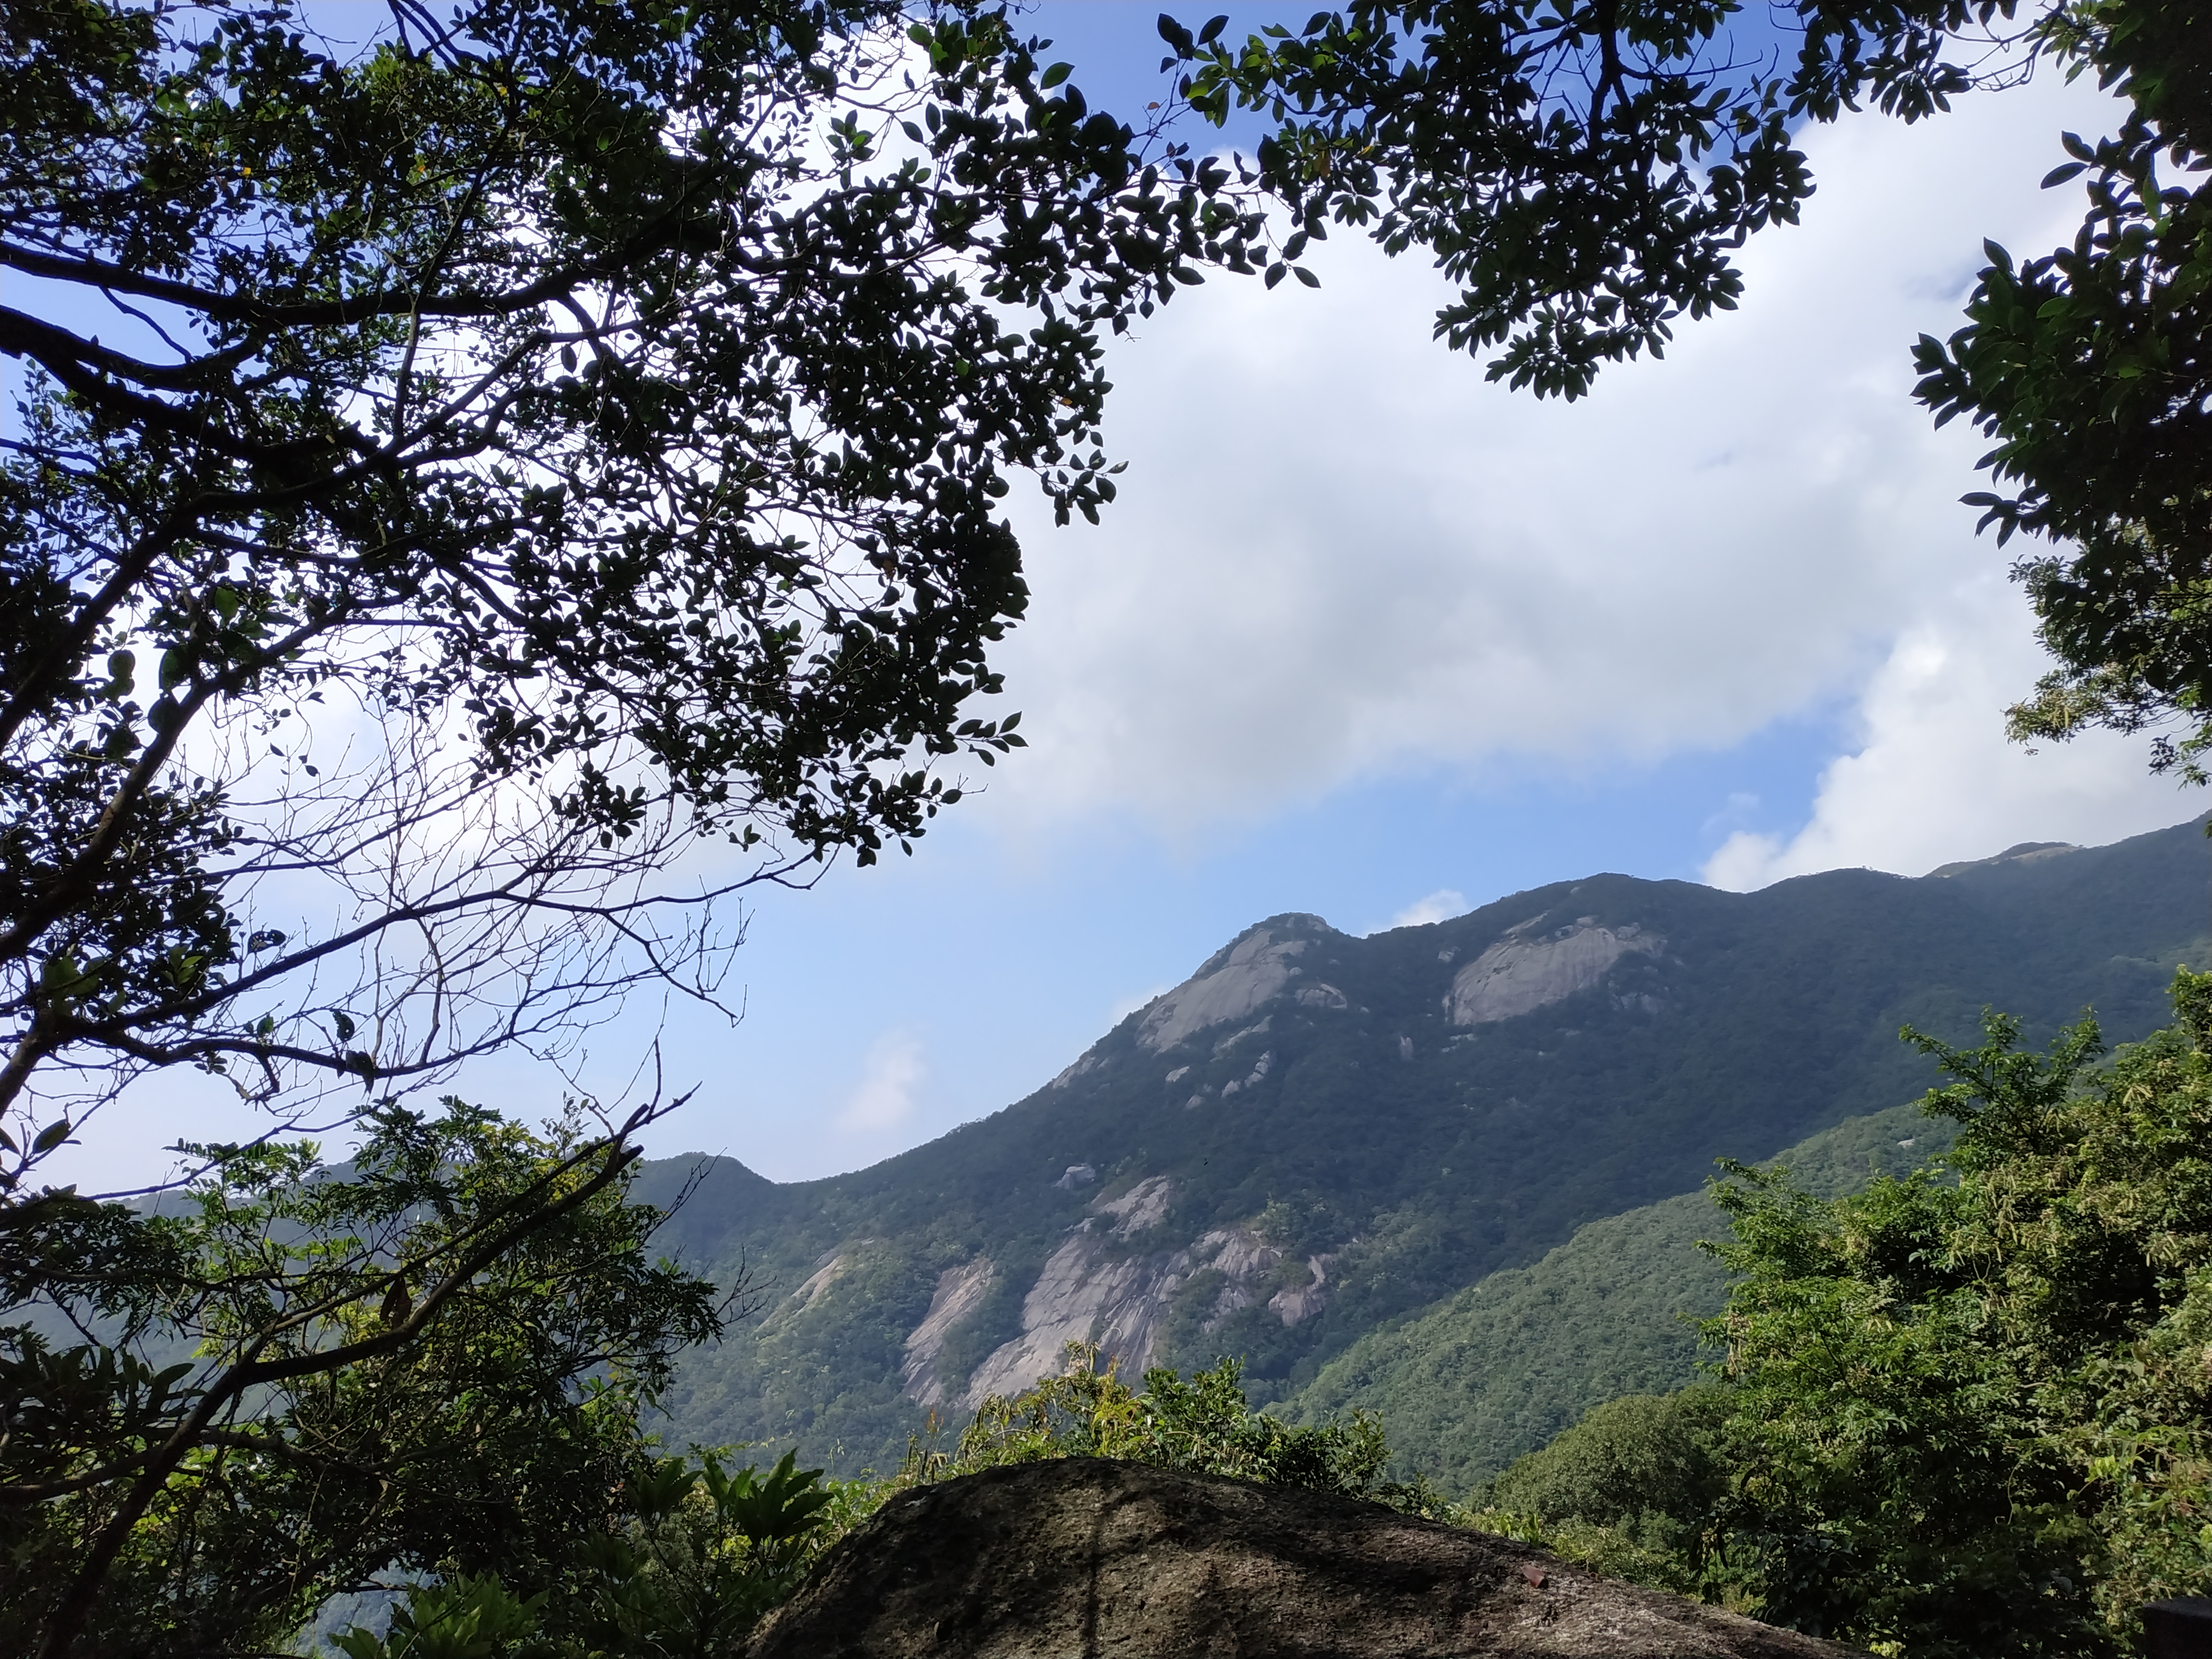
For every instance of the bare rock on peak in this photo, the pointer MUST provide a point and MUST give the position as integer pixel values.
(1519, 975)
(2025, 851)
(1089, 1559)
(1231, 984)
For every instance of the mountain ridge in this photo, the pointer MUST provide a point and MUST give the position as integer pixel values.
(1316, 1132)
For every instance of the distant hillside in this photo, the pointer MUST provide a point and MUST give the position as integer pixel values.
(1316, 1133)
(1498, 1369)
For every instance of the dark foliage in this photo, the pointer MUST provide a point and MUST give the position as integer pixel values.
(458, 469)
(432, 1359)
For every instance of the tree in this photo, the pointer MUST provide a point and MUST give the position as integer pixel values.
(432, 1359)
(1205, 1425)
(1629, 1488)
(1972, 1412)
(457, 472)
(1586, 171)
(1583, 171)
(2092, 367)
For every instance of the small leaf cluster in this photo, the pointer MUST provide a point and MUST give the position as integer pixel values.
(1204, 1425)
(694, 1556)
(295, 1378)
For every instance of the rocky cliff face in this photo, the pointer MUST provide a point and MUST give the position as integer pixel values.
(1088, 1559)
(1097, 1288)
(1521, 974)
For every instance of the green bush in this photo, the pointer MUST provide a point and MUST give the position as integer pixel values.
(1629, 1489)
(1967, 1412)
(701, 1554)
(1204, 1425)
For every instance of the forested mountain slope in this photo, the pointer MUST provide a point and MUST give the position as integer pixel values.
(1496, 1369)
(1316, 1133)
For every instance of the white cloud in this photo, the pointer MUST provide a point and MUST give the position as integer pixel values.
(1440, 905)
(885, 1099)
(1933, 779)
(1339, 554)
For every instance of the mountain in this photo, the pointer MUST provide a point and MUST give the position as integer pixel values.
(1470, 1383)
(1316, 1133)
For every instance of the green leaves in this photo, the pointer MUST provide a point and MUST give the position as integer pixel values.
(771, 1511)
(2091, 367)
(404, 456)
(702, 1555)
(2005, 1350)
(471, 1617)
(1578, 224)
(483, 1443)
(1205, 1425)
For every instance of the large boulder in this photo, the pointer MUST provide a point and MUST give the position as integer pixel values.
(1084, 1558)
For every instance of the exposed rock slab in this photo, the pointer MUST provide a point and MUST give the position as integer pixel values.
(1091, 1290)
(1140, 1209)
(1294, 1303)
(1517, 975)
(1086, 1293)
(1232, 984)
(2025, 851)
(1087, 1559)
(960, 1292)
(826, 1272)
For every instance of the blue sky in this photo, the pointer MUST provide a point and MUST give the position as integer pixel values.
(1368, 637)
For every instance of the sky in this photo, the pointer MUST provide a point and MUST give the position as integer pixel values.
(1368, 636)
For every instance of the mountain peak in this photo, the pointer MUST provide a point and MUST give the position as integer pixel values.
(2025, 851)
(1255, 968)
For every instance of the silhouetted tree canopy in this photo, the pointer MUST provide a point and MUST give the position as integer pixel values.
(457, 469)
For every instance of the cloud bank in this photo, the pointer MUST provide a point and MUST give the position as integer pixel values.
(1340, 554)
(1932, 780)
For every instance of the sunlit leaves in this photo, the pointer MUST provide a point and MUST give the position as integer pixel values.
(2091, 368)
(1972, 1406)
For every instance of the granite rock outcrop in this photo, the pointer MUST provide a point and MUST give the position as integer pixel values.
(1085, 1558)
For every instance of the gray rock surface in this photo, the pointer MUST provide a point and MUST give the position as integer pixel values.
(1092, 1290)
(960, 1292)
(1517, 975)
(1229, 985)
(1088, 1559)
